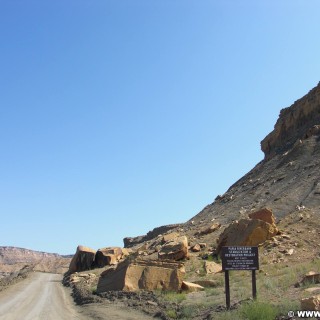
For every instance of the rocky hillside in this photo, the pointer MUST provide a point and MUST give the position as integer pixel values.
(12, 255)
(13, 259)
(287, 179)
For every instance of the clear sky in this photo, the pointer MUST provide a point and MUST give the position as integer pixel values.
(120, 116)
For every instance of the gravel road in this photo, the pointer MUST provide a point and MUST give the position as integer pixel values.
(39, 297)
(42, 297)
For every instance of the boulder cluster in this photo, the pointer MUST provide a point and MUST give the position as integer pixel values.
(159, 263)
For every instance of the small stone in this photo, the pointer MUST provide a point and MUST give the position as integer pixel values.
(289, 252)
(196, 248)
(191, 287)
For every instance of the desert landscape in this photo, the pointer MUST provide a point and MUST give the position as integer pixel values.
(175, 272)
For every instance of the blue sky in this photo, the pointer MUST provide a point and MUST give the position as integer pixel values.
(120, 116)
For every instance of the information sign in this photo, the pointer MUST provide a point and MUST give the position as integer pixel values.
(240, 258)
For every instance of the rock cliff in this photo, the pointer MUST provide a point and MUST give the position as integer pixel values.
(297, 122)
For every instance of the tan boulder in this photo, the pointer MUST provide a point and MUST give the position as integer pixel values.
(174, 250)
(82, 260)
(311, 304)
(313, 290)
(207, 283)
(196, 248)
(208, 230)
(77, 277)
(211, 267)
(191, 287)
(142, 275)
(126, 252)
(107, 256)
(265, 215)
(246, 232)
(170, 237)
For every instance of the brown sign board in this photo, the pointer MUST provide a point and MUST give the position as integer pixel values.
(240, 258)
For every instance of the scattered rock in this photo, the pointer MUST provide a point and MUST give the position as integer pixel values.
(206, 283)
(211, 267)
(311, 277)
(289, 252)
(313, 290)
(191, 287)
(312, 303)
(196, 248)
(174, 250)
(170, 237)
(208, 230)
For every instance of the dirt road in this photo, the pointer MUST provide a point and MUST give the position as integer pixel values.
(42, 297)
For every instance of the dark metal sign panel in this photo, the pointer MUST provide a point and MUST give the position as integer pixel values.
(240, 258)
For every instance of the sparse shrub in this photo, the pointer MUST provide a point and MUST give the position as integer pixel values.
(187, 312)
(174, 296)
(257, 310)
(172, 314)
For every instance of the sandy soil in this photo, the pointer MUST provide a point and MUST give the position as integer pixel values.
(42, 297)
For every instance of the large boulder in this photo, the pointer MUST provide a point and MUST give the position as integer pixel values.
(176, 249)
(264, 214)
(246, 232)
(82, 260)
(107, 256)
(142, 275)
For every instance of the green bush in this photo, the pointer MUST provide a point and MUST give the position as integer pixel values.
(258, 311)
(173, 296)
(172, 314)
(187, 312)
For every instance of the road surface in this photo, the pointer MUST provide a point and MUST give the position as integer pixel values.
(39, 297)
(42, 297)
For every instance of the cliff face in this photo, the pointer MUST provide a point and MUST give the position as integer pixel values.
(297, 122)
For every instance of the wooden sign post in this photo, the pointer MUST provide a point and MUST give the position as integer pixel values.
(239, 258)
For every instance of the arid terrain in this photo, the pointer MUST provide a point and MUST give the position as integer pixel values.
(174, 272)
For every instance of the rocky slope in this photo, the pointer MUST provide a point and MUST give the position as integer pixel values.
(287, 179)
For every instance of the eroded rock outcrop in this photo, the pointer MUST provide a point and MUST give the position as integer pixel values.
(107, 256)
(176, 249)
(82, 260)
(132, 241)
(299, 121)
(142, 274)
